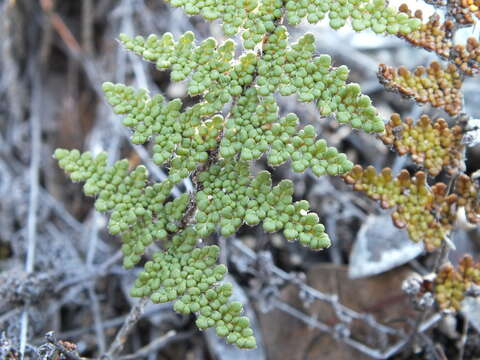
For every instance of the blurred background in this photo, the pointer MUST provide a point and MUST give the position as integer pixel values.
(60, 271)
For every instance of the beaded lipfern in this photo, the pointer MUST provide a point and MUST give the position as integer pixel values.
(425, 212)
(451, 284)
(437, 36)
(215, 148)
(429, 212)
(432, 144)
(435, 85)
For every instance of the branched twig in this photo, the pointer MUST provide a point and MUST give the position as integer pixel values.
(116, 322)
(35, 124)
(157, 344)
(345, 315)
(92, 273)
(95, 305)
(127, 327)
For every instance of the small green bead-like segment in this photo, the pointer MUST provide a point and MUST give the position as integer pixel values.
(208, 65)
(246, 130)
(259, 17)
(283, 68)
(363, 14)
(191, 278)
(296, 70)
(182, 138)
(230, 197)
(304, 150)
(139, 212)
(254, 128)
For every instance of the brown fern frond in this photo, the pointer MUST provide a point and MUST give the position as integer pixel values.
(451, 284)
(436, 36)
(435, 85)
(467, 57)
(467, 191)
(464, 11)
(432, 144)
(416, 206)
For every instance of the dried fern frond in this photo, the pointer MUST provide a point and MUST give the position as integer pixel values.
(435, 84)
(432, 144)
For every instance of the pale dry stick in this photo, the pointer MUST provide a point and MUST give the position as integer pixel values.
(397, 347)
(334, 251)
(4, 317)
(344, 336)
(120, 320)
(97, 318)
(152, 355)
(91, 274)
(129, 28)
(95, 305)
(77, 288)
(63, 213)
(60, 232)
(127, 327)
(435, 349)
(307, 319)
(35, 124)
(157, 344)
(102, 9)
(463, 339)
(11, 76)
(341, 311)
(440, 353)
(344, 314)
(87, 26)
(93, 239)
